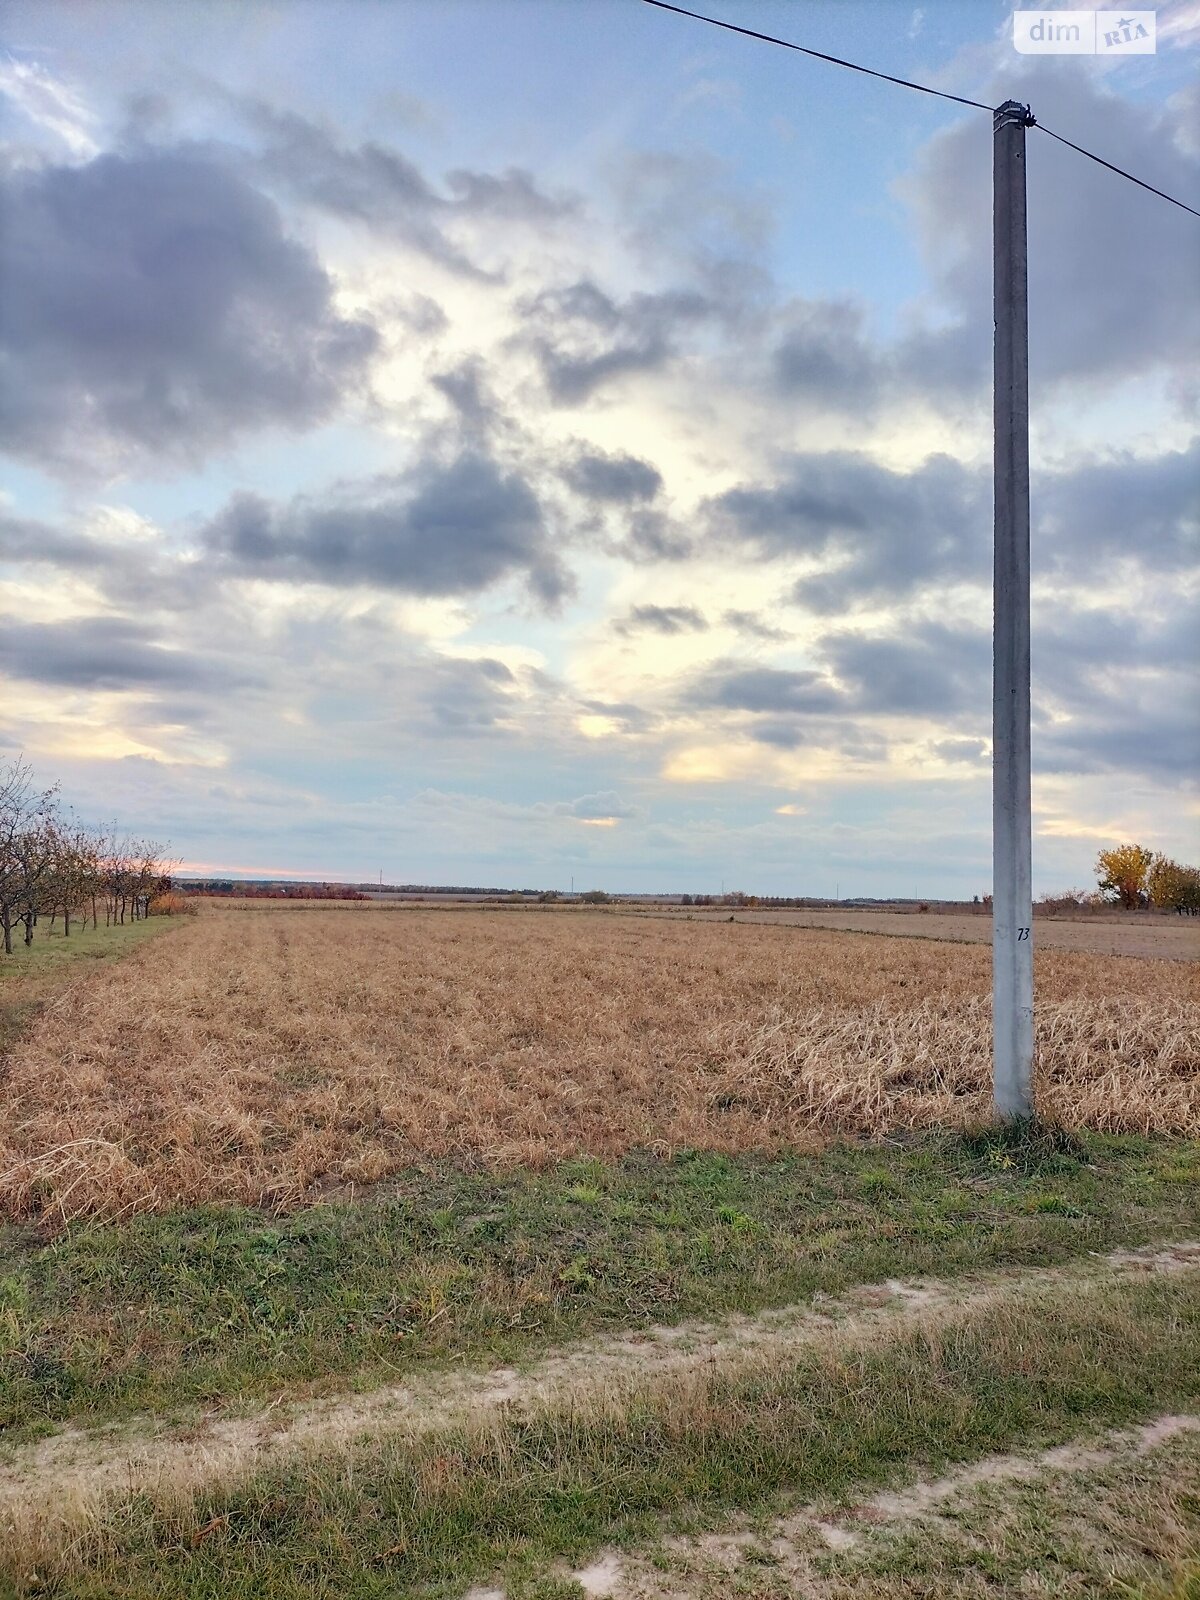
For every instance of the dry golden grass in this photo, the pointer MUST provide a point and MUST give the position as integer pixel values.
(255, 1055)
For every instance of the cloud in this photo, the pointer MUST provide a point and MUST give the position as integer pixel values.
(107, 653)
(929, 670)
(603, 808)
(583, 337)
(727, 686)
(871, 533)
(751, 625)
(651, 535)
(825, 357)
(602, 718)
(1121, 506)
(154, 306)
(26, 539)
(49, 103)
(380, 188)
(1111, 269)
(1119, 691)
(442, 530)
(881, 532)
(462, 696)
(662, 619)
(1179, 23)
(970, 751)
(465, 387)
(621, 479)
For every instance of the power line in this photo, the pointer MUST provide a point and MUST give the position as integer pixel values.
(922, 88)
(1120, 171)
(818, 55)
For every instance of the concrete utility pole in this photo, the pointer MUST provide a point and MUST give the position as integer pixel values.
(1012, 873)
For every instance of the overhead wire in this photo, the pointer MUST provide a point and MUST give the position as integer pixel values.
(908, 83)
(1120, 171)
(818, 55)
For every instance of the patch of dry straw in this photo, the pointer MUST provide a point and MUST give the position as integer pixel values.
(256, 1057)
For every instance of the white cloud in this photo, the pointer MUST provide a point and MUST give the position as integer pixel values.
(51, 105)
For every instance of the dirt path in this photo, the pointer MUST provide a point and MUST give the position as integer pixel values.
(707, 1563)
(55, 1483)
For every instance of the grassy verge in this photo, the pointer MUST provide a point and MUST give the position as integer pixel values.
(232, 1307)
(30, 977)
(1031, 1366)
(1128, 1529)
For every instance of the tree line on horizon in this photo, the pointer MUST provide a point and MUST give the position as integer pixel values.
(53, 865)
(254, 889)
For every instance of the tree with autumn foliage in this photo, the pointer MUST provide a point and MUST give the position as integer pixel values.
(1132, 876)
(1124, 872)
(1173, 886)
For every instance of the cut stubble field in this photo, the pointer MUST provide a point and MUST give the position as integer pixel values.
(265, 1056)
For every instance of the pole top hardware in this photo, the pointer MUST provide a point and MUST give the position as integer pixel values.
(1012, 114)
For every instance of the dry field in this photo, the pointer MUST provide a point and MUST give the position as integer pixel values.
(264, 1056)
(1153, 937)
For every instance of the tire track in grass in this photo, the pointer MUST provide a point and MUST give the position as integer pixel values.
(788, 1545)
(63, 1481)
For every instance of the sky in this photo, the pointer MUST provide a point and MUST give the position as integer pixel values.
(526, 442)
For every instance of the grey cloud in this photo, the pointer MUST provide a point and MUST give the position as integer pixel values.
(786, 709)
(783, 733)
(929, 670)
(25, 539)
(727, 686)
(622, 479)
(1148, 507)
(462, 696)
(380, 188)
(662, 619)
(825, 356)
(1111, 692)
(1151, 729)
(130, 572)
(653, 536)
(597, 807)
(106, 653)
(1112, 270)
(752, 626)
(583, 337)
(466, 389)
(964, 750)
(153, 304)
(886, 531)
(1084, 643)
(1129, 685)
(628, 717)
(453, 529)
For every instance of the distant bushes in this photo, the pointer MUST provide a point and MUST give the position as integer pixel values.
(272, 891)
(173, 904)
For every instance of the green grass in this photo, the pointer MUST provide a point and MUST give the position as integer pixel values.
(1033, 1366)
(1128, 1529)
(32, 975)
(195, 1308)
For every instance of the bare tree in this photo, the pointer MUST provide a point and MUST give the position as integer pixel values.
(26, 815)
